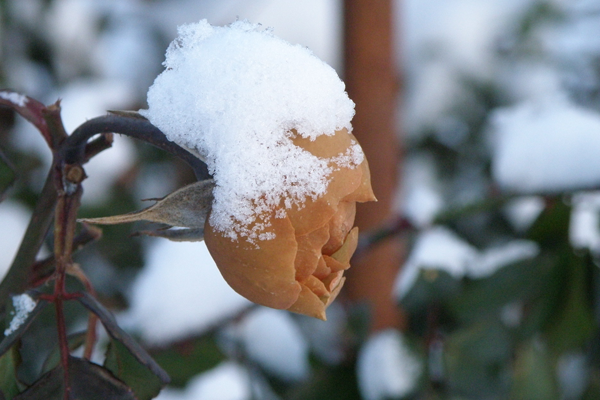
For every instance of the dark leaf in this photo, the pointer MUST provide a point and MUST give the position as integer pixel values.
(432, 286)
(337, 383)
(9, 384)
(481, 297)
(121, 336)
(189, 358)
(573, 322)
(12, 338)
(88, 381)
(120, 361)
(551, 229)
(75, 341)
(477, 359)
(534, 375)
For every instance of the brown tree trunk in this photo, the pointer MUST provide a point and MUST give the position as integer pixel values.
(371, 81)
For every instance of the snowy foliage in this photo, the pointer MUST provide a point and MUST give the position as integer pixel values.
(438, 248)
(273, 340)
(546, 147)
(196, 297)
(228, 381)
(387, 368)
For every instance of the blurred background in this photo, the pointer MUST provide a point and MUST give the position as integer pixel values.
(477, 275)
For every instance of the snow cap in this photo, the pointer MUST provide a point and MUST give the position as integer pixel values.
(236, 95)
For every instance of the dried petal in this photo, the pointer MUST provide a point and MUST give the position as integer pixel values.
(186, 207)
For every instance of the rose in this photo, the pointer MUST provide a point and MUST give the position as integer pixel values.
(301, 269)
(300, 264)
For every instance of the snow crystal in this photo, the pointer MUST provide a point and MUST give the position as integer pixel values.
(228, 381)
(546, 147)
(15, 98)
(234, 94)
(171, 303)
(386, 367)
(23, 305)
(274, 341)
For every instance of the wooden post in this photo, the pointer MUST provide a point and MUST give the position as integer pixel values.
(372, 83)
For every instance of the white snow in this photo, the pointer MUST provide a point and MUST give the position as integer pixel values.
(228, 381)
(494, 258)
(523, 211)
(273, 340)
(439, 248)
(326, 338)
(234, 94)
(180, 293)
(387, 368)
(546, 147)
(584, 229)
(445, 45)
(420, 199)
(23, 305)
(70, 27)
(435, 248)
(15, 98)
(15, 218)
(572, 373)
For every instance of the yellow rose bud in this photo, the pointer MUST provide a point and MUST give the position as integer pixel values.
(301, 269)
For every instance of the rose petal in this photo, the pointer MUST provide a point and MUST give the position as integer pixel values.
(344, 254)
(264, 272)
(339, 226)
(334, 265)
(316, 286)
(309, 252)
(322, 270)
(309, 304)
(364, 192)
(335, 292)
(333, 280)
(343, 182)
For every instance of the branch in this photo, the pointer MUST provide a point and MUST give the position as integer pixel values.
(137, 128)
(17, 277)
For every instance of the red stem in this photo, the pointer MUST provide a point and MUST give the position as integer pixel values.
(68, 183)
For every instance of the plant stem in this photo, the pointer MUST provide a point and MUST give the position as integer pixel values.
(68, 180)
(138, 128)
(17, 276)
